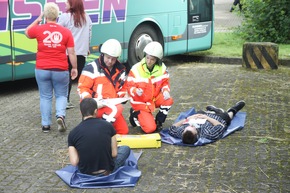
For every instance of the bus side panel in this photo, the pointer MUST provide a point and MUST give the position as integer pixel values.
(132, 23)
(177, 37)
(171, 20)
(141, 7)
(24, 50)
(5, 57)
(199, 36)
(6, 72)
(108, 19)
(5, 45)
(103, 32)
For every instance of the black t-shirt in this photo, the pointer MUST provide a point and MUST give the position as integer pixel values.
(92, 140)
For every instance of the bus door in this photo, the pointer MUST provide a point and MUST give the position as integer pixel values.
(5, 43)
(200, 25)
(23, 49)
(177, 22)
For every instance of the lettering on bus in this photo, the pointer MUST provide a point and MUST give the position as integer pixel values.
(199, 29)
(24, 12)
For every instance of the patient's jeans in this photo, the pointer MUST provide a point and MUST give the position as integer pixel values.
(49, 83)
(123, 154)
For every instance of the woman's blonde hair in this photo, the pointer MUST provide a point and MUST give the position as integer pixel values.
(51, 11)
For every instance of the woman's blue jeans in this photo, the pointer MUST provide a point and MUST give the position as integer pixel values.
(52, 82)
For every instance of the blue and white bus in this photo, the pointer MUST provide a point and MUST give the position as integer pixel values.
(181, 26)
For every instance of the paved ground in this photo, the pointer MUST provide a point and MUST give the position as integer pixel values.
(255, 159)
(225, 20)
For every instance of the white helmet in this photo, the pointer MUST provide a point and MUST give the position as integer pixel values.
(112, 47)
(154, 49)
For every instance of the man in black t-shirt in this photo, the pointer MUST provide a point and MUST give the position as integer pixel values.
(92, 145)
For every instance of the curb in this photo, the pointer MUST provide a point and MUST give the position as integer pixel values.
(213, 59)
(219, 60)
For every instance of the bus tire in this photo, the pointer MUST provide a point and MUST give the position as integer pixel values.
(141, 36)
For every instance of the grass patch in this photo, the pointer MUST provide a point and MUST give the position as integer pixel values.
(231, 45)
(263, 140)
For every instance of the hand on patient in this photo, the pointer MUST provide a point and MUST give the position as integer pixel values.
(203, 116)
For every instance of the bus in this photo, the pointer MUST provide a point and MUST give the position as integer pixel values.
(181, 26)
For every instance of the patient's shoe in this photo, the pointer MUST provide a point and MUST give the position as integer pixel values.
(237, 107)
(215, 109)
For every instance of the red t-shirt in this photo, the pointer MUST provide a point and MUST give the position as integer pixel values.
(53, 41)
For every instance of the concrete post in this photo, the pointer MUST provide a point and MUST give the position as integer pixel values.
(260, 55)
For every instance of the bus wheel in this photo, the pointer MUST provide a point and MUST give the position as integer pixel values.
(142, 35)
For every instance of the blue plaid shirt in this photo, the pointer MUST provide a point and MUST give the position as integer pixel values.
(206, 130)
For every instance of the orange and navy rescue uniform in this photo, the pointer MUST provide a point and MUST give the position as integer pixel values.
(96, 81)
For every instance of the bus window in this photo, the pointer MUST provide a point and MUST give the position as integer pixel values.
(200, 11)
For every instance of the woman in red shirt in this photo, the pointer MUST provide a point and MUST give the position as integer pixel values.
(51, 71)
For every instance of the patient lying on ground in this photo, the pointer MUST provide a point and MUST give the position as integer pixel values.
(210, 124)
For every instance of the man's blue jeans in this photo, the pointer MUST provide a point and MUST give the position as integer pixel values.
(123, 154)
(49, 83)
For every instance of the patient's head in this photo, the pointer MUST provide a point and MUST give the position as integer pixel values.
(189, 135)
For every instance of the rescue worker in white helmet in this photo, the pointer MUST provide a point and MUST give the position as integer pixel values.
(104, 78)
(148, 86)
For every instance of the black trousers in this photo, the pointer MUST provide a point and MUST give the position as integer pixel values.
(81, 61)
